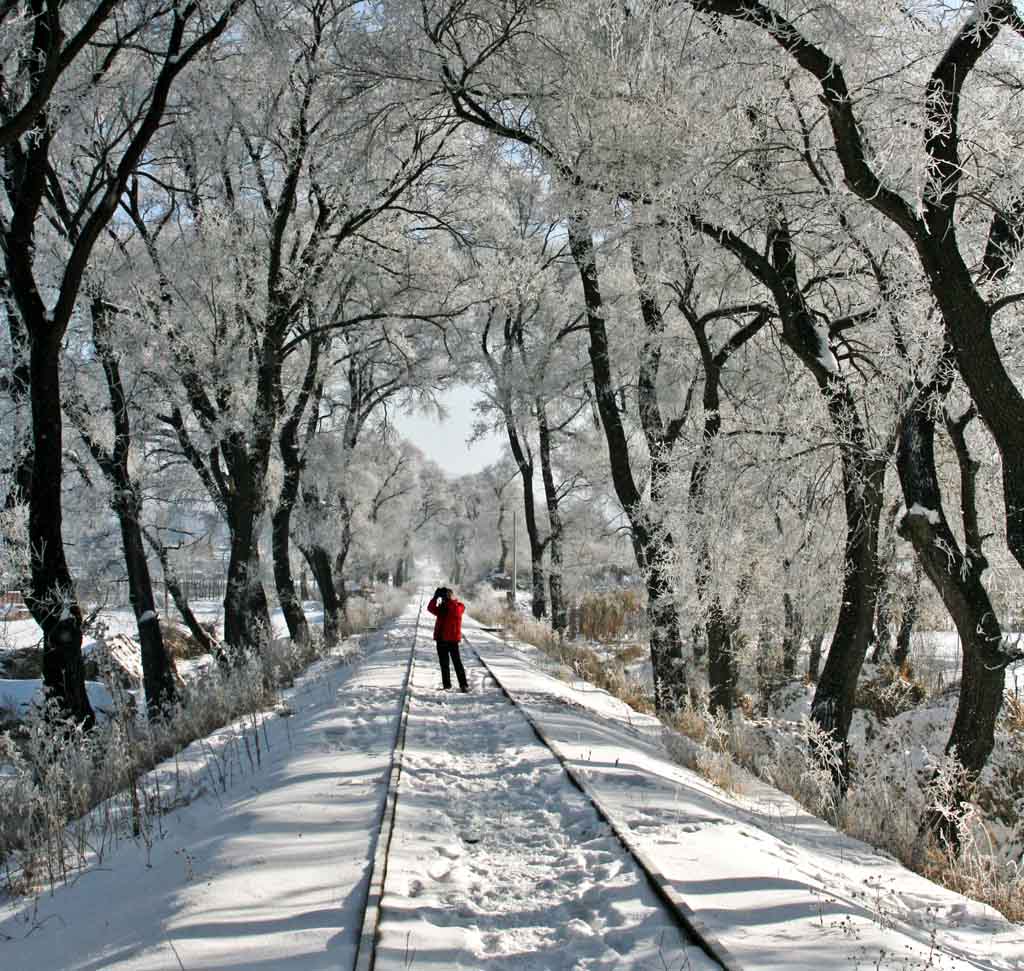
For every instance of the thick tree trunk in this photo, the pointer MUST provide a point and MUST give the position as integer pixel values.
(832, 708)
(291, 604)
(504, 550)
(883, 638)
(717, 626)
(792, 635)
(157, 667)
(52, 599)
(723, 626)
(18, 390)
(280, 531)
(555, 528)
(246, 612)
(901, 656)
(652, 546)
(814, 657)
(957, 576)
(667, 659)
(723, 669)
(320, 565)
(525, 463)
(340, 582)
(293, 461)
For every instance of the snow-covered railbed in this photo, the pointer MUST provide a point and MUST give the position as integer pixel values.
(271, 873)
(778, 887)
(498, 862)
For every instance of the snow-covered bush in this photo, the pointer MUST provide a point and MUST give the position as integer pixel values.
(896, 780)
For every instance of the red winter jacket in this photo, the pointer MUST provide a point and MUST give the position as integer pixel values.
(448, 626)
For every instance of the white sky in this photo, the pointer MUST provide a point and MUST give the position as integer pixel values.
(445, 442)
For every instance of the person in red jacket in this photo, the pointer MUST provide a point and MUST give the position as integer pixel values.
(448, 610)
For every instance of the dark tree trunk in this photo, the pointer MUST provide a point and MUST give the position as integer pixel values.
(246, 612)
(554, 521)
(723, 626)
(887, 592)
(667, 660)
(901, 656)
(281, 521)
(291, 604)
(157, 667)
(20, 395)
(320, 566)
(883, 637)
(652, 545)
(502, 540)
(792, 635)
(832, 708)
(52, 599)
(957, 575)
(814, 658)
(723, 669)
(341, 558)
(525, 463)
(716, 627)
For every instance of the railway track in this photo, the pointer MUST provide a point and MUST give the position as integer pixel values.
(675, 908)
(683, 915)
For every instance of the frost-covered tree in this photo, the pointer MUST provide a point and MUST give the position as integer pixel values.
(281, 212)
(87, 86)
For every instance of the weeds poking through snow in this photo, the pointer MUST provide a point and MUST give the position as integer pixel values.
(887, 797)
(70, 796)
(881, 807)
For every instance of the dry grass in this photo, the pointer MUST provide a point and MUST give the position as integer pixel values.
(606, 617)
(180, 642)
(893, 692)
(1013, 713)
(690, 722)
(583, 662)
(981, 876)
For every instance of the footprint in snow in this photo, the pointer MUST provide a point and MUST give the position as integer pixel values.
(439, 869)
(579, 928)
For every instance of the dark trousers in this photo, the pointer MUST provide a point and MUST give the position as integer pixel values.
(449, 651)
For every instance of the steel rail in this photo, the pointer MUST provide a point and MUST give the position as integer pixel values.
(681, 912)
(366, 951)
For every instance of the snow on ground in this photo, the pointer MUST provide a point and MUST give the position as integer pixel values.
(780, 888)
(17, 695)
(17, 634)
(496, 862)
(270, 874)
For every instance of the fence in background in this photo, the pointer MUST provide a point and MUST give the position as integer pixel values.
(114, 593)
